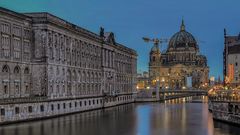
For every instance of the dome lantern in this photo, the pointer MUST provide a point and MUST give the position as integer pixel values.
(182, 26)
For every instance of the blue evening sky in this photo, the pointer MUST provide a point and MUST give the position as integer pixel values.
(130, 20)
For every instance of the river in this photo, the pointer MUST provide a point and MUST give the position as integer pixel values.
(130, 119)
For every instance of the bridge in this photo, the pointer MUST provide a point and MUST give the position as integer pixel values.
(150, 94)
(174, 94)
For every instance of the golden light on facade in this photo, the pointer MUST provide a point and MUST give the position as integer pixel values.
(230, 72)
(212, 78)
(227, 80)
(163, 80)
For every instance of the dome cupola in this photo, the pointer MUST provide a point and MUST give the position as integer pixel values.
(182, 40)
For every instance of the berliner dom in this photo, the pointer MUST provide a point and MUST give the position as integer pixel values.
(181, 65)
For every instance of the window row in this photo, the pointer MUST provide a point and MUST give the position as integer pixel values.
(5, 50)
(16, 70)
(16, 30)
(70, 105)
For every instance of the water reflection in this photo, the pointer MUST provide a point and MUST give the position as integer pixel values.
(175, 117)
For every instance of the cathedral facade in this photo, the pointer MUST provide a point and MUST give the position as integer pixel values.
(46, 58)
(180, 63)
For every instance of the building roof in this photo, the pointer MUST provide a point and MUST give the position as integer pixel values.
(45, 17)
(234, 49)
(182, 39)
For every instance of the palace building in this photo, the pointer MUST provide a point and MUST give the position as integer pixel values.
(47, 58)
(180, 64)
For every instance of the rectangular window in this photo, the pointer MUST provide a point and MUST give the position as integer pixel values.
(70, 105)
(17, 30)
(5, 27)
(16, 110)
(17, 48)
(30, 109)
(2, 112)
(75, 104)
(27, 89)
(64, 105)
(52, 107)
(6, 46)
(5, 89)
(26, 33)
(58, 106)
(17, 89)
(26, 50)
(80, 103)
(42, 108)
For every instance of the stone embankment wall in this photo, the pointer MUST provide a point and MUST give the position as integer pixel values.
(225, 111)
(15, 112)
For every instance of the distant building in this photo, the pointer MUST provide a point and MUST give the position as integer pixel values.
(143, 81)
(231, 57)
(181, 60)
(212, 81)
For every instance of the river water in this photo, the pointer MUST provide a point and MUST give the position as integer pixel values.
(131, 119)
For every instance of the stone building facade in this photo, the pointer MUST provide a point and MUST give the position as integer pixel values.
(143, 81)
(231, 57)
(181, 60)
(47, 58)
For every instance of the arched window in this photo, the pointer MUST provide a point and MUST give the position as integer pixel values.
(16, 70)
(26, 70)
(5, 69)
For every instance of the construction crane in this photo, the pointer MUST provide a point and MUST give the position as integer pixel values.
(156, 41)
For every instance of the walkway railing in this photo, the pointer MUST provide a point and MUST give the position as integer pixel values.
(169, 94)
(224, 95)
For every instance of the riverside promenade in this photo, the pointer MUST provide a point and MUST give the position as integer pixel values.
(225, 105)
